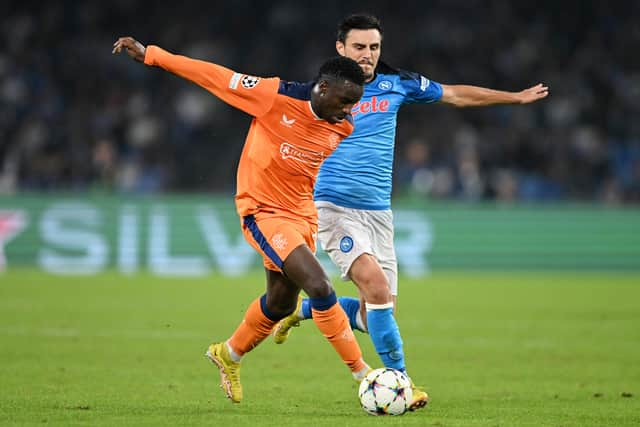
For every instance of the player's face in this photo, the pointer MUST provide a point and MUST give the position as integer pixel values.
(363, 46)
(334, 100)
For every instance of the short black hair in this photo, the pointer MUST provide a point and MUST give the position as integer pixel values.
(342, 68)
(357, 21)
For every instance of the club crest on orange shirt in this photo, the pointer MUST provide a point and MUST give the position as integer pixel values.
(279, 241)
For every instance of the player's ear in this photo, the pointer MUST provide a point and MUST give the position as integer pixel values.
(340, 47)
(320, 88)
(323, 85)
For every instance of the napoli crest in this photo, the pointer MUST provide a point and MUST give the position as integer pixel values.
(385, 85)
(346, 244)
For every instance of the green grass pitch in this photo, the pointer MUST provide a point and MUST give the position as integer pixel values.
(492, 349)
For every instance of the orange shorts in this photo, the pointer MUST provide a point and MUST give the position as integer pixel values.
(275, 236)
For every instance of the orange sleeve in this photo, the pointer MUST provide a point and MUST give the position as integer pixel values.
(253, 95)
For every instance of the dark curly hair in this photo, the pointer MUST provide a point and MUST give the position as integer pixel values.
(341, 67)
(357, 21)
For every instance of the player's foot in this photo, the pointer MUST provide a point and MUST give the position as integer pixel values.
(283, 329)
(218, 353)
(420, 398)
(359, 376)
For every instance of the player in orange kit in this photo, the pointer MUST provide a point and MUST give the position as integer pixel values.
(295, 127)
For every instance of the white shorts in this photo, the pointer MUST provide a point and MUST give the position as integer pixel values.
(346, 233)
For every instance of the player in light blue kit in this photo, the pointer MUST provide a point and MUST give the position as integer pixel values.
(353, 189)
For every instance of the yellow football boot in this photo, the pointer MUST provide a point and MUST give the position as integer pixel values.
(420, 398)
(283, 329)
(218, 353)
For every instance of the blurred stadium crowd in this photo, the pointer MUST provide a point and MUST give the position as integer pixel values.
(74, 117)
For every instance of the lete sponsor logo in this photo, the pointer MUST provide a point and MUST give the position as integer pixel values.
(372, 106)
(12, 222)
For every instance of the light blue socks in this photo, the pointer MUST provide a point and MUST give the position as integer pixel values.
(385, 335)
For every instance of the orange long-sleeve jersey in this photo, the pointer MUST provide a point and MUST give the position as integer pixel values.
(286, 142)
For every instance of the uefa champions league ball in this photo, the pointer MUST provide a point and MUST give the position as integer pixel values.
(385, 391)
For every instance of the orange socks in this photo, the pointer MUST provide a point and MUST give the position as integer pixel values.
(332, 322)
(334, 325)
(254, 328)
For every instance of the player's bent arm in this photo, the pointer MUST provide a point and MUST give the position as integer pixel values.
(249, 94)
(475, 96)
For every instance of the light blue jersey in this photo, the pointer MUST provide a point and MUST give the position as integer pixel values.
(358, 173)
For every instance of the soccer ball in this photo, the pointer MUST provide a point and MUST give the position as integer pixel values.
(385, 391)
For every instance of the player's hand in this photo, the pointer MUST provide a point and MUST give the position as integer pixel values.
(533, 94)
(134, 48)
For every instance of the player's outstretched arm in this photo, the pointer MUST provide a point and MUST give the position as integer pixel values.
(475, 96)
(250, 94)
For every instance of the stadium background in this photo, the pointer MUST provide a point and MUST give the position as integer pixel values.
(77, 122)
(518, 227)
(76, 118)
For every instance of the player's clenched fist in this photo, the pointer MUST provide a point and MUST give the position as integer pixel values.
(134, 48)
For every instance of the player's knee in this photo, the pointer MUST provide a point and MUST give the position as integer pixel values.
(375, 292)
(373, 285)
(318, 287)
(281, 308)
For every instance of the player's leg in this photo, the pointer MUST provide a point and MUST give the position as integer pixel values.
(344, 237)
(382, 224)
(303, 268)
(350, 305)
(372, 283)
(261, 316)
(354, 308)
(287, 244)
(347, 237)
(370, 273)
(378, 288)
(255, 326)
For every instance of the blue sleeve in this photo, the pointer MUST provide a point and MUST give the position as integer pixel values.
(419, 89)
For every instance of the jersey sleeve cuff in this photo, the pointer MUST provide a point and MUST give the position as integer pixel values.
(152, 54)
